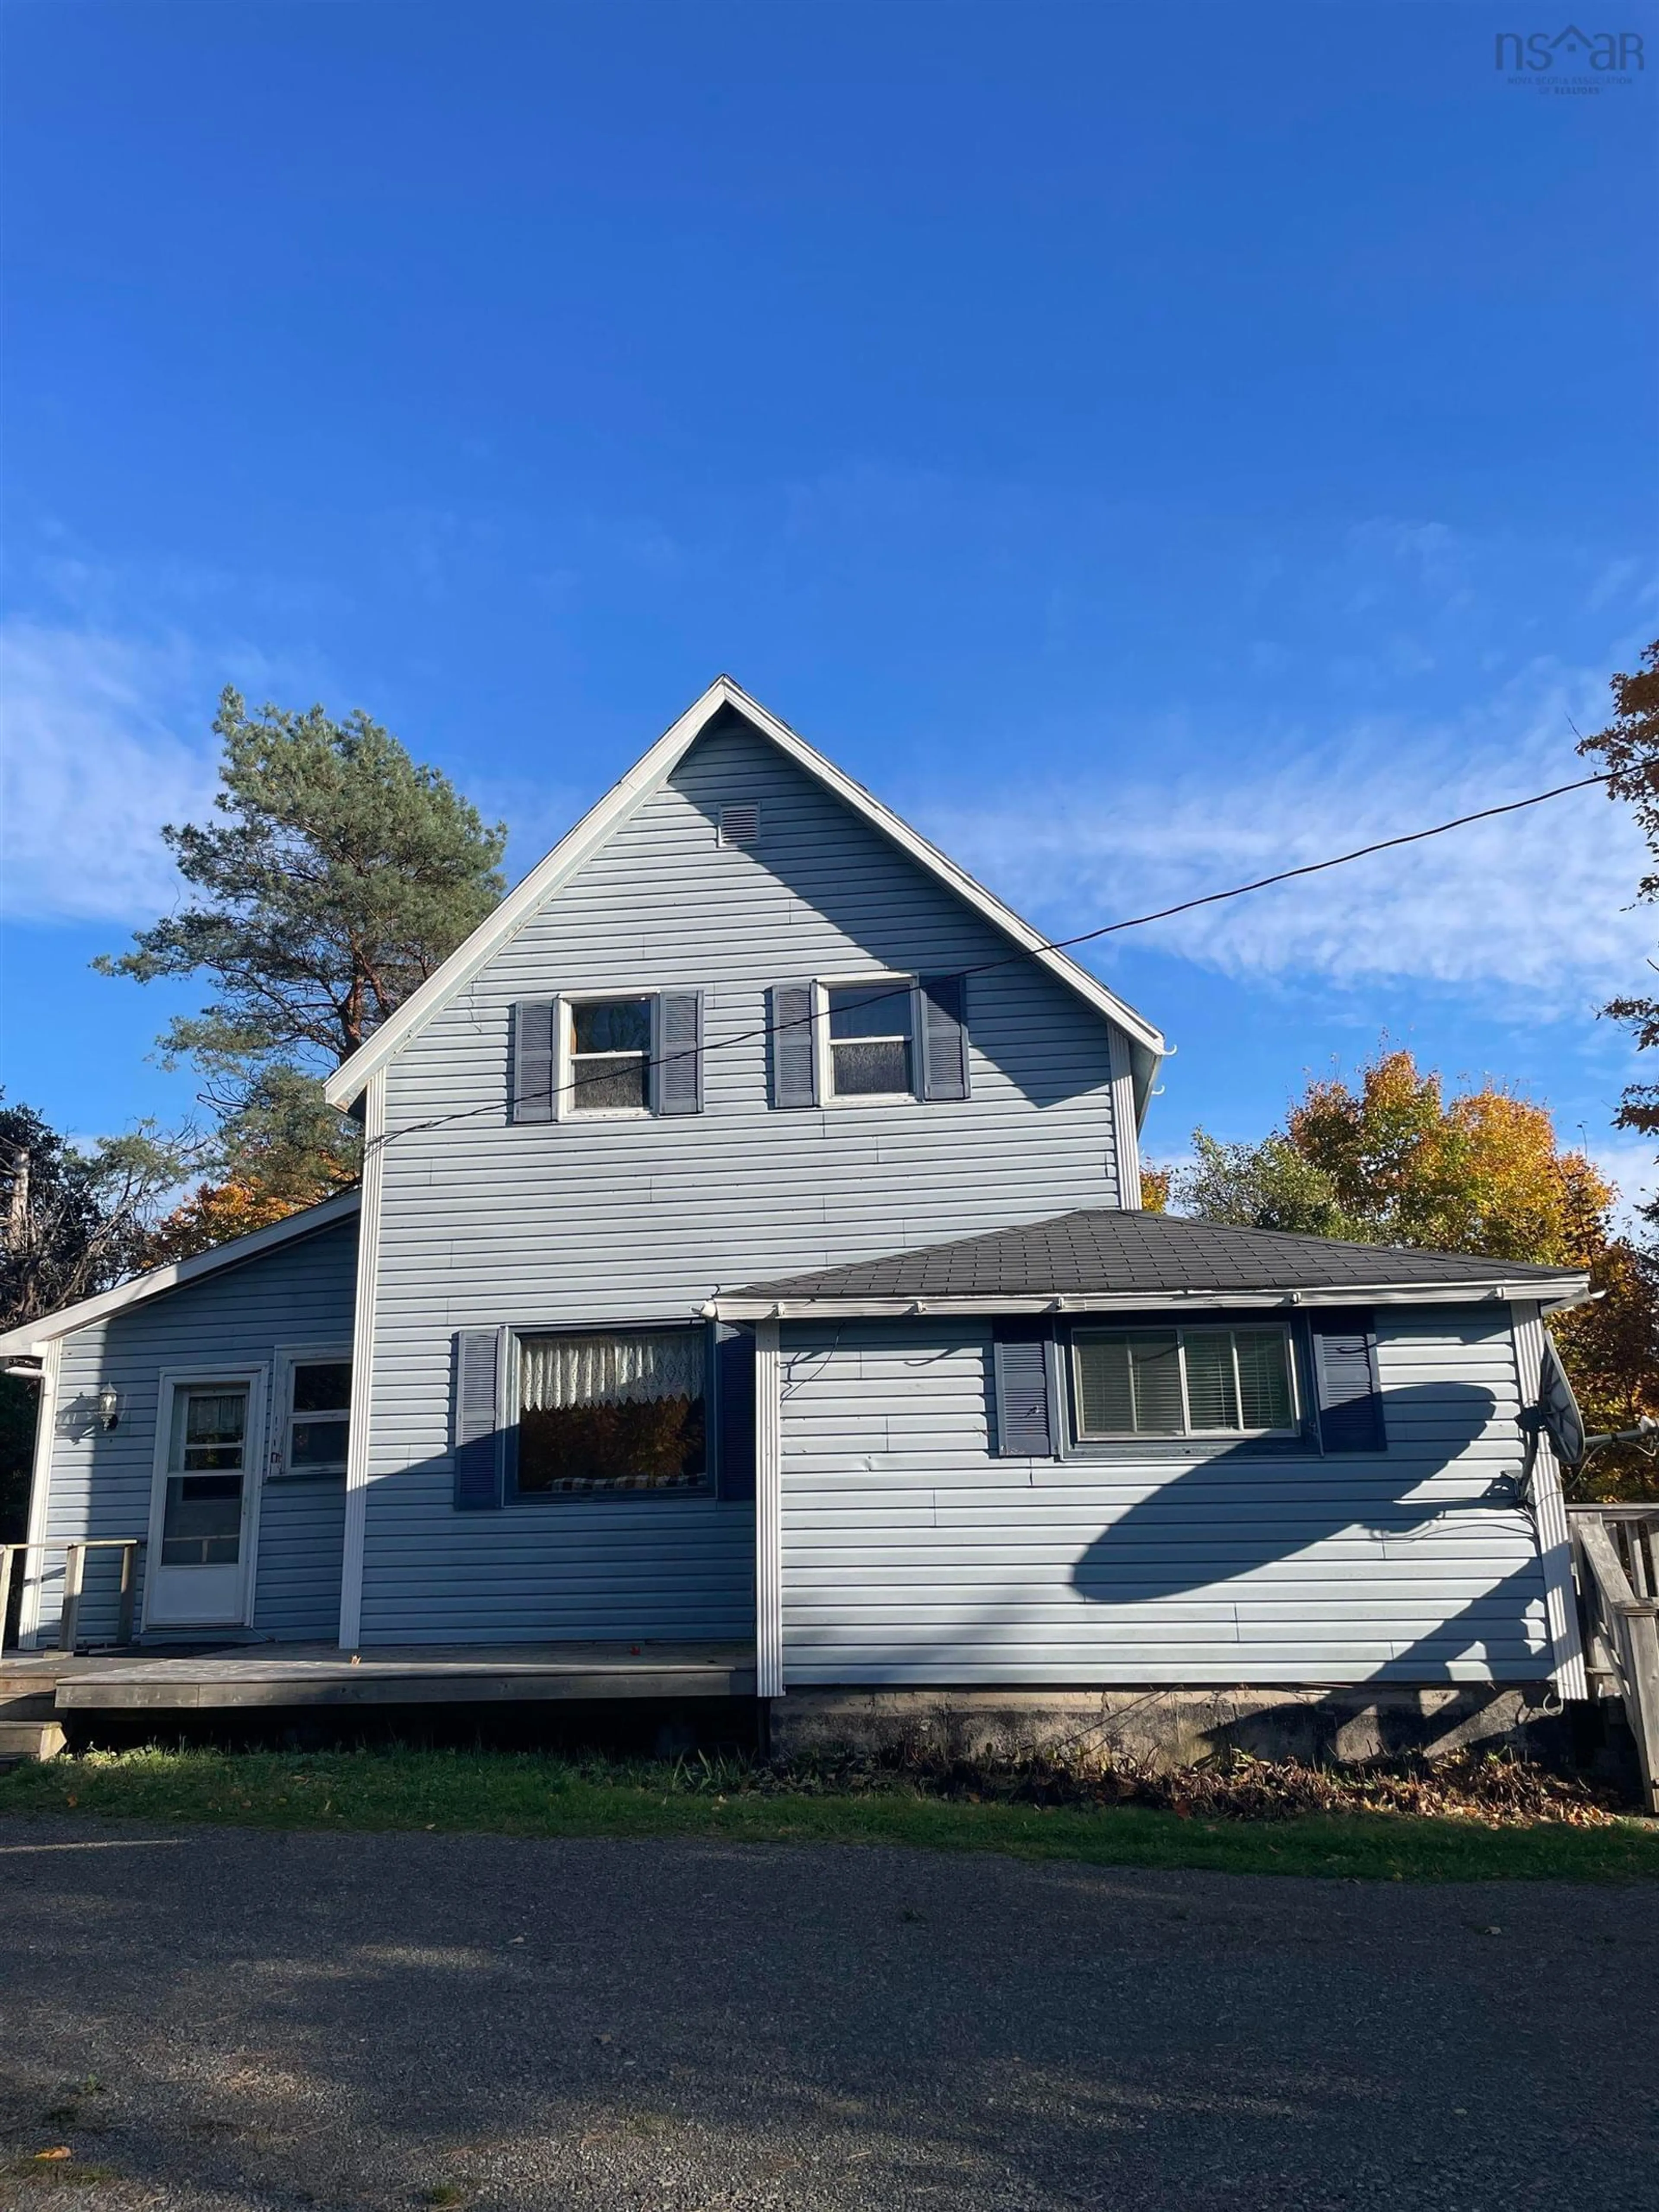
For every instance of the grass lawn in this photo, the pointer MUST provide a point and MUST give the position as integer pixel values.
(506, 1793)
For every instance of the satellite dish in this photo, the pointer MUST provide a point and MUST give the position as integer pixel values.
(1557, 1409)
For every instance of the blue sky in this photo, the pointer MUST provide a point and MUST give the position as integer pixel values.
(1148, 446)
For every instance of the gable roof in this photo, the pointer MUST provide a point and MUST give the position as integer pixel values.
(646, 775)
(1097, 1260)
(30, 1335)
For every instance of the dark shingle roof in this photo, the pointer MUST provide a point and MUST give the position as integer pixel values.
(1106, 1250)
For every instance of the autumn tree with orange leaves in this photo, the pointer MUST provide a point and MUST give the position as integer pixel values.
(1390, 1159)
(1628, 746)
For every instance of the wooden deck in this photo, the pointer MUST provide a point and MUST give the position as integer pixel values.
(313, 1674)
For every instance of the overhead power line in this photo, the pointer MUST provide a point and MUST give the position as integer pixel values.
(1053, 944)
(1338, 860)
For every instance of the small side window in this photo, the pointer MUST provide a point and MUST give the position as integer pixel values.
(316, 1419)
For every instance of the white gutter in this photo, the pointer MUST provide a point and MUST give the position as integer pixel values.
(1554, 1296)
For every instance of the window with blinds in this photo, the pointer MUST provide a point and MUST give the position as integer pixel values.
(1184, 1382)
(608, 1413)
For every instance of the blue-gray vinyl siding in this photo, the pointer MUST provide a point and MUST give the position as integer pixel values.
(299, 1294)
(912, 1555)
(583, 1222)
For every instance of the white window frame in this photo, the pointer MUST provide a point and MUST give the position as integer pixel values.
(823, 1053)
(1180, 1330)
(289, 1357)
(565, 1108)
(256, 1380)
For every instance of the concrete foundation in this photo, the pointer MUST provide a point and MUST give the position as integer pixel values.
(1161, 1729)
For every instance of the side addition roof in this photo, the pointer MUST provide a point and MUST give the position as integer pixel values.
(1101, 1260)
(30, 1335)
(646, 775)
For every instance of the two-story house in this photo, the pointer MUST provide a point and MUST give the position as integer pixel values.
(748, 1250)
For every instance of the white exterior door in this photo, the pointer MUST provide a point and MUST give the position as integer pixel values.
(201, 1527)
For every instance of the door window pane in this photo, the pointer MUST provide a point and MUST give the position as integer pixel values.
(202, 1523)
(202, 1519)
(208, 1428)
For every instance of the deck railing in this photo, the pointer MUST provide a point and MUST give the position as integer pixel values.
(75, 1574)
(1615, 1556)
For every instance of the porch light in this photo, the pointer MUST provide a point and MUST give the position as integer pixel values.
(109, 1406)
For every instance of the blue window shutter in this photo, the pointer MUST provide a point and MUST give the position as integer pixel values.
(794, 1052)
(535, 1059)
(1027, 1418)
(678, 1086)
(1345, 1378)
(734, 1410)
(476, 1423)
(944, 1032)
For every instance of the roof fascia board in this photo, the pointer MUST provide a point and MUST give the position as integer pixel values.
(550, 874)
(646, 775)
(1557, 1293)
(30, 1335)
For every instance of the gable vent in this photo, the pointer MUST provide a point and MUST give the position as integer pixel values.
(740, 824)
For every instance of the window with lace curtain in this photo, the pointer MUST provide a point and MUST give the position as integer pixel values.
(608, 1413)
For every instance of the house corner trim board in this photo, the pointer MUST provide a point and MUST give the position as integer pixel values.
(46, 1431)
(1550, 1515)
(358, 1430)
(768, 1513)
(1126, 1134)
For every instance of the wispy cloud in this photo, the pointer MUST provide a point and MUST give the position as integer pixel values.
(93, 765)
(1529, 908)
(104, 738)
(1627, 1161)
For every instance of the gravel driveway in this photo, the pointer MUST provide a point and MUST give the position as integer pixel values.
(330, 2020)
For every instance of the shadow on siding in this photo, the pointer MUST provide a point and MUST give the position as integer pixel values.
(1240, 1509)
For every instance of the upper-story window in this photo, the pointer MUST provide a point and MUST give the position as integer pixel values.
(608, 1048)
(871, 1039)
(860, 1040)
(607, 1056)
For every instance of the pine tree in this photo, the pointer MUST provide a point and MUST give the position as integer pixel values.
(340, 876)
